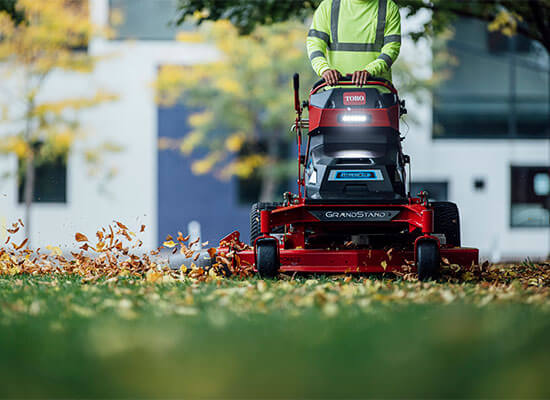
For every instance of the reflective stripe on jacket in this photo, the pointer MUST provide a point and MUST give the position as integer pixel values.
(354, 35)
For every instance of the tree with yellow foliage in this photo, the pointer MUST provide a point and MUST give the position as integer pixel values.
(47, 39)
(246, 100)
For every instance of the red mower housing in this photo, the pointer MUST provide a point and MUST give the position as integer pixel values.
(353, 212)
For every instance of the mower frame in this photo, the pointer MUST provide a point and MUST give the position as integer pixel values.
(290, 252)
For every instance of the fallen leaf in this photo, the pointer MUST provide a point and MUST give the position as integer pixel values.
(56, 251)
(80, 237)
(121, 225)
(153, 276)
(21, 245)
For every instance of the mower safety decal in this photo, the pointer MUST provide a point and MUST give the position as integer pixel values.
(354, 215)
(355, 99)
(356, 175)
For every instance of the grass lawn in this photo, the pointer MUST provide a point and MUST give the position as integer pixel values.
(302, 337)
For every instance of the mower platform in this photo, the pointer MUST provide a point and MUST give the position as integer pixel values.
(356, 238)
(353, 212)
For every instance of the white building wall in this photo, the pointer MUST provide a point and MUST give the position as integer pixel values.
(485, 214)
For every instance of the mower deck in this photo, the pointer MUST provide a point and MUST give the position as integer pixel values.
(357, 261)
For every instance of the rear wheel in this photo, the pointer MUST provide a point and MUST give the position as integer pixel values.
(255, 228)
(427, 260)
(267, 258)
(447, 221)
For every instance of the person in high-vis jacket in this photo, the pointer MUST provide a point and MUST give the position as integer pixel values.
(357, 37)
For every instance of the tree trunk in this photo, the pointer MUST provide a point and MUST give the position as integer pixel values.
(28, 193)
(269, 177)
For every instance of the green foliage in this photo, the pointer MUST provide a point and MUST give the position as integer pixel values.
(532, 17)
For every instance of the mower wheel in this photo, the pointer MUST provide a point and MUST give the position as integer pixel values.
(428, 260)
(447, 221)
(267, 258)
(255, 228)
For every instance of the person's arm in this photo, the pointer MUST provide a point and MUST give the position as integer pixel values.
(392, 43)
(318, 38)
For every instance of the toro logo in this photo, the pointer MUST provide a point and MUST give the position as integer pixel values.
(355, 99)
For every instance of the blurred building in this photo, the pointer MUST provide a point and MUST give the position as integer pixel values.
(481, 141)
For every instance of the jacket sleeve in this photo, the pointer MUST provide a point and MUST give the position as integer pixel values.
(318, 38)
(392, 42)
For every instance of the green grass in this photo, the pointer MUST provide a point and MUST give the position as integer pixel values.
(250, 339)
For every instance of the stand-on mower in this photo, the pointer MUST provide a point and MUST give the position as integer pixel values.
(353, 212)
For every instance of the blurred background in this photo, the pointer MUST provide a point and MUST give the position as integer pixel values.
(110, 110)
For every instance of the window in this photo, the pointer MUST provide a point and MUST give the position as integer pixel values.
(146, 19)
(499, 43)
(499, 88)
(50, 183)
(530, 197)
(437, 191)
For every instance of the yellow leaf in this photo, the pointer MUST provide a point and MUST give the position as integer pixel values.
(56, 251)
(384, 265)
(153, 276)
(170, 244)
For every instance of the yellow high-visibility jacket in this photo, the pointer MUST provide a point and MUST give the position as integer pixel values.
(354, 35)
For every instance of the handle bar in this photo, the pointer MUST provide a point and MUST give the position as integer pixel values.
(346, 81)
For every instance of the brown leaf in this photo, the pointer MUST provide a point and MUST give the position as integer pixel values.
(80, 237)
(121, 225)
(142, 228)
(21, 245)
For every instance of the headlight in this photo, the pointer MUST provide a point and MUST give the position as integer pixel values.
(355, 118)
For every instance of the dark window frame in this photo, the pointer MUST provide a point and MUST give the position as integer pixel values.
(530, 196)
(43, 172)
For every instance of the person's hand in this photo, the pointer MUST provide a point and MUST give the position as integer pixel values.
(332, 77)
(360, 78)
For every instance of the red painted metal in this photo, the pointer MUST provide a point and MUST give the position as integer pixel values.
(265, 225)
(379, 117)
(358, 261)
(427, 221)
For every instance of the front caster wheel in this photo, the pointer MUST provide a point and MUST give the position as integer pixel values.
(267, 257)
(428, 260)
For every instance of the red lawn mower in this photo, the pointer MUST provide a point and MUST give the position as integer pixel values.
(353, 212)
